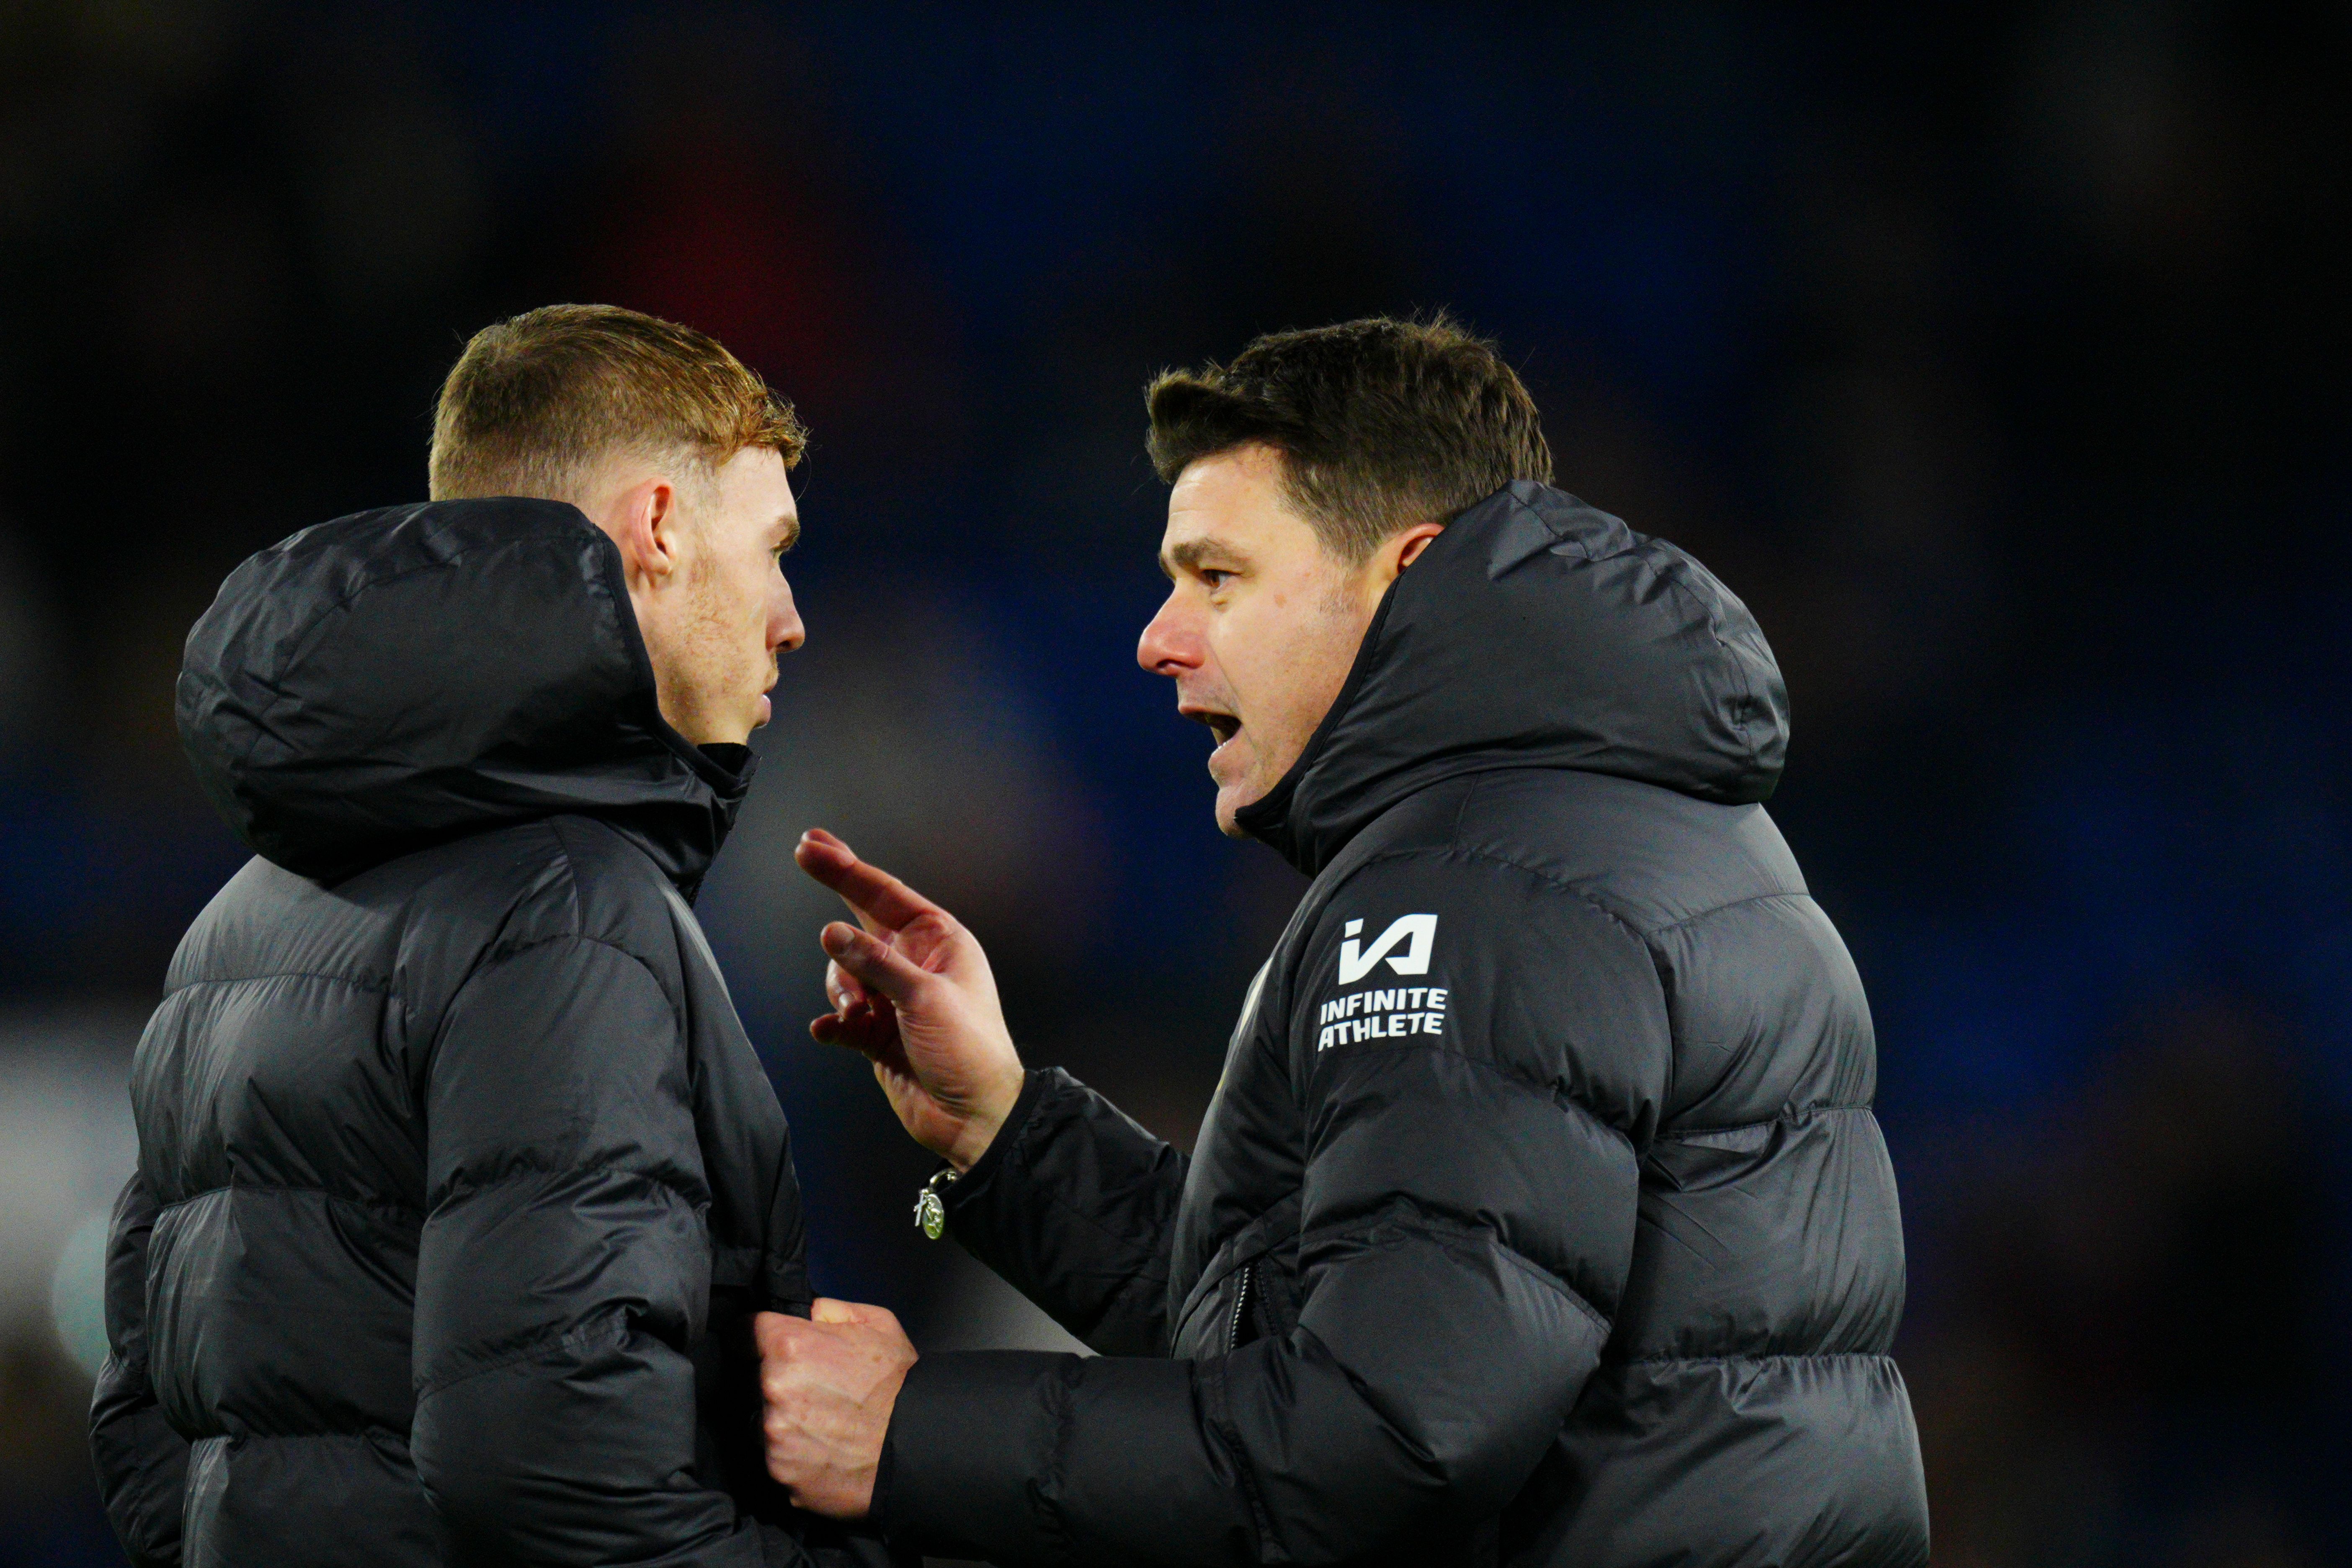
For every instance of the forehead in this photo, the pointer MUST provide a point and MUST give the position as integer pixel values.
(1233, 498)
(754, 481)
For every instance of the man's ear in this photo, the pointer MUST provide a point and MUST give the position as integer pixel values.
(1405, 549)
(644, 523)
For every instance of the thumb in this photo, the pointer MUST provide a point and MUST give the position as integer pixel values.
(828, 1311)
(877, 965)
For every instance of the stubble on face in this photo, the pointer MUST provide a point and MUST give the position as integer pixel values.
(1297, 696)
(724, 658)
(1263, 622)
(719, 659)
(1261, 627)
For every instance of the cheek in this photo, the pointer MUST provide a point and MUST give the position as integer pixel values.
(1296, 665)
(732, 615)
(1255, 659)
(750, 593)
(1236, 646)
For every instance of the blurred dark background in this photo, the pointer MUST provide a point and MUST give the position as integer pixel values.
(1996, 354)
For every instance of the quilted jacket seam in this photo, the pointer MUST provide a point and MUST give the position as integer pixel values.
(1218, 1405)
(1535, 1089)
(1786, 1113)
(571, 879)
(1046, 1498)
(522, 1170)
(373, 988)
(1439, 1229)
(393, 1205)
(611, 1324)
(503, 952)
(1784, 895)
(368, 1433)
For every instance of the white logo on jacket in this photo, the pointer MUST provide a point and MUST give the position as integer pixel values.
(1419, 931)
(1362, 1015)
(1384, 1015)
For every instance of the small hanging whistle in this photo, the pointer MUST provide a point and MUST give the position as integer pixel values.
(930, 1213)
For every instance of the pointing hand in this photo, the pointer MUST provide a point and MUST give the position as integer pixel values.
(912, 992)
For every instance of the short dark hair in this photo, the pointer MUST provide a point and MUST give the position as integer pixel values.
(1381, 424)
(538, 400)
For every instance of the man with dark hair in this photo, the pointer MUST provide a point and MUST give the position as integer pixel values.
(1381, 425)
(1539, 1215)
(458, 1182)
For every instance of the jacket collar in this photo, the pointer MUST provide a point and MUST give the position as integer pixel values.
(1538, 632)
(401, 677)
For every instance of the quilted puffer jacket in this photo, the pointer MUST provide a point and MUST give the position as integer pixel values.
(1540, 1217)
(458, 1181)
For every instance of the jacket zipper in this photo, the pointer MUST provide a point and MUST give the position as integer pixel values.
(1241, 1304)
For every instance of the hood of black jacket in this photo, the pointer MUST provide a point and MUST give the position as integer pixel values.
(399, 677)
(1538, 632)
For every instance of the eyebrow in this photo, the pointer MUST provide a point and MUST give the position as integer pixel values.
(791, 530)
(1191, 553)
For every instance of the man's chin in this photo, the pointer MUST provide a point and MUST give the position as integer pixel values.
(1232, 801)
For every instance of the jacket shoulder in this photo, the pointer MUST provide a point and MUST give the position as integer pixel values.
(1765, 1006)
(418, 926)
(269, 922)
(1446, 936)
(1650, 856)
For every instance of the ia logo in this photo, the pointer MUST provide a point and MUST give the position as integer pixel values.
(1418, 931)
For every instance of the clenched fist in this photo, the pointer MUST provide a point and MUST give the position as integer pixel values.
(830, 1383)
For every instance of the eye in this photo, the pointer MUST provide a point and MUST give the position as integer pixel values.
(1215, 577)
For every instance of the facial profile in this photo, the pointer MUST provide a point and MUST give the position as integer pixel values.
(705, 558)
(676, 449)
(1261, 621)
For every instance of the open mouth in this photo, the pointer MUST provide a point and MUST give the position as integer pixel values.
(1223, 726)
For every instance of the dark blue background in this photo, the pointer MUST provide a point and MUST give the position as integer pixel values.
(1995, 354)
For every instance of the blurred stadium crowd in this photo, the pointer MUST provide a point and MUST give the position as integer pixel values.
(1996, 354)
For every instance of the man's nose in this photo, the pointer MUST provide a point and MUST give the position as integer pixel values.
(785, 632)
(1168, 644)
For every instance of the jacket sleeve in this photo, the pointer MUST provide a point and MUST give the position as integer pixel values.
(1468, 1219)
(1075, 1205)
(564, 1272)
(142, 1464)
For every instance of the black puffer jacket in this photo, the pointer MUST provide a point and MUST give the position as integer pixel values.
(458, 1177)
(1541, 1215)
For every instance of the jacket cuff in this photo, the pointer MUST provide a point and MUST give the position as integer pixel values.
(989, 1194)
(1038, 1457)
(959, 1438)
(1034, 1083)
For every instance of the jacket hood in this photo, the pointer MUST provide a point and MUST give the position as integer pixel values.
(1538, 632)
(398, 678)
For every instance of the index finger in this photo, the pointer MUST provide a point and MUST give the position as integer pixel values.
(876, 896)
